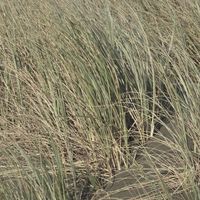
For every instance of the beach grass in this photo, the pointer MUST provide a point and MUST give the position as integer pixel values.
(84, 83)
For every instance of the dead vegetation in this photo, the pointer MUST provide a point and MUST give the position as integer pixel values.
(84, 84)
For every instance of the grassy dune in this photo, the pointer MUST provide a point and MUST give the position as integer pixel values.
(85, 83)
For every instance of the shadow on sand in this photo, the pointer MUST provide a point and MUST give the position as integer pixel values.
(159, 171)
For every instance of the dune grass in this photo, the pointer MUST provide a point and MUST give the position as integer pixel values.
(83, 82)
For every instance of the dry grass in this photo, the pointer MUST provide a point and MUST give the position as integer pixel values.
(83, 82)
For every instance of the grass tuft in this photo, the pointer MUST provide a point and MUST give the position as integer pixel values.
(85, 84)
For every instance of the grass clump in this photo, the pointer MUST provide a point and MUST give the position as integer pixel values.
(84, 83)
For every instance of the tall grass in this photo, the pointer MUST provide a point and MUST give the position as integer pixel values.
(83, 82)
